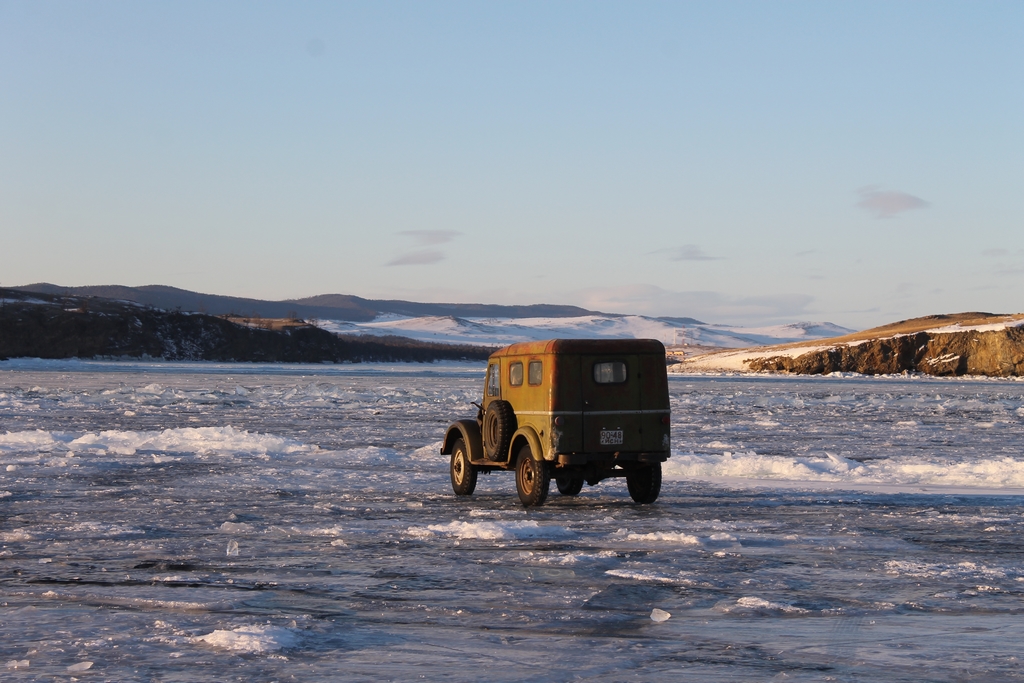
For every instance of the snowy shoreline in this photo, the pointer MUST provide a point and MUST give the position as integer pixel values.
(241, 368)
(440, 368)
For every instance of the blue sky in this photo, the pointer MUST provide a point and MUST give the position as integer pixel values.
(740, 162)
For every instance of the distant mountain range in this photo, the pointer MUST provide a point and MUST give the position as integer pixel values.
(470, 324)
(325, 306)
(495, 331)
(40, 325)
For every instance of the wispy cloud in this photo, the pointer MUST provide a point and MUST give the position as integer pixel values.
(1011, 270)
(424, 238)
(1005, 261)
(691, 252)
(888, 203)
(417, 258)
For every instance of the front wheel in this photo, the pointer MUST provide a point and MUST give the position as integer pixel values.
(532, 478)
(644, 483)
(463, 473)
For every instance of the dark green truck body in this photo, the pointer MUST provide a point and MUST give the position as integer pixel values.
(586, 408)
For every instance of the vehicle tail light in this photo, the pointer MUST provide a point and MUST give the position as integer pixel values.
(559, 421)
(665, 419)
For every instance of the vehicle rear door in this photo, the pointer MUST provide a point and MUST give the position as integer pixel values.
(654, 402)
(611, 403)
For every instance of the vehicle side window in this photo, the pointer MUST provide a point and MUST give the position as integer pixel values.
(536, 372)
(515, 374)
(494, 381)
(611, 372)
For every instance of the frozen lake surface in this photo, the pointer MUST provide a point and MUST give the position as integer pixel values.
(183, 522)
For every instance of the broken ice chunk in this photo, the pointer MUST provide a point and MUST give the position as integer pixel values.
(255, 639)
(81, 666)
(17, 664)
(842, 464)
(659, 615)
(232, 548)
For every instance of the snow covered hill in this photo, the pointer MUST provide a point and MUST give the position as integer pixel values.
(477, 324)
(502, 331)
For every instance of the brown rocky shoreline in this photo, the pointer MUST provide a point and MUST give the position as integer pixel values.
(942, 345)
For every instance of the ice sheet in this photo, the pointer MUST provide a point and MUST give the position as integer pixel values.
(167, 523)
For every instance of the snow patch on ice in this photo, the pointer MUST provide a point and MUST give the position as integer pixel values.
(1006, 472)
(428, 451)
(199, 440)
(491, 531)
(101, 529)
(257, 638)
(665, 537)
(642, 575)
(923, 570)
(761, 605)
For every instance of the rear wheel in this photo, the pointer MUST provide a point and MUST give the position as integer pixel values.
(532, 478)
(644, 483)
(569, 484)
(463, 473)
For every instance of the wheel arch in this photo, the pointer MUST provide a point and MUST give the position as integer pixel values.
(469, 432)
(526, 435)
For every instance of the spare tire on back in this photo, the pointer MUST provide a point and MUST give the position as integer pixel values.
(499, 425)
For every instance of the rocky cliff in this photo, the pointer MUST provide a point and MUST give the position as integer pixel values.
(958, 344)
(47, 326)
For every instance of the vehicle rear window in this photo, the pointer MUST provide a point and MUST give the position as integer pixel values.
(536, 372)
(493, 381)
(515, 374)
(610, 372)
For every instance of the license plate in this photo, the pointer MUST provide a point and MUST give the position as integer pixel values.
(611, 437)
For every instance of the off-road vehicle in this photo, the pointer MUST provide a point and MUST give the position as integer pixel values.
(576, 410)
